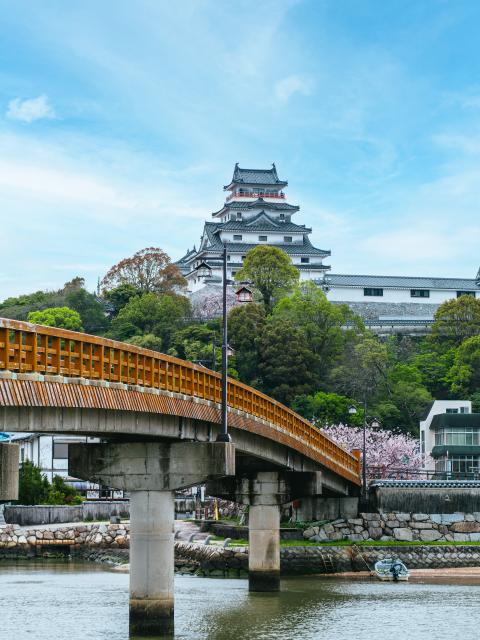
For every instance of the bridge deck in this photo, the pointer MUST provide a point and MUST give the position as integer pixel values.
(32, 349)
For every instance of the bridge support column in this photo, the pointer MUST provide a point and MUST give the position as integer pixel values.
(151, 472)
(9, 459)
(264, 548)
(265, 492)
(151, 563)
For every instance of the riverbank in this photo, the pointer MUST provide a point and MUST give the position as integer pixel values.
(108, 544)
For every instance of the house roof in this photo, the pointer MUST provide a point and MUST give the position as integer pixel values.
(242, 205)
(402, 282)
(455, 420)
(256, 177)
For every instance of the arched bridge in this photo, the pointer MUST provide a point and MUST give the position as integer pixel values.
(55, 380)
(157, 417)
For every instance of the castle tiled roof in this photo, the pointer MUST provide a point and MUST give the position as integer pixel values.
(402, 282)
(256, 177)
(261, 222)
(242, 205)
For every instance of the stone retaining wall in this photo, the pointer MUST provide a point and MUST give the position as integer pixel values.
(100, 535)
(404, 527)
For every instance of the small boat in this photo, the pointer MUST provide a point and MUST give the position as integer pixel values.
(392, 570)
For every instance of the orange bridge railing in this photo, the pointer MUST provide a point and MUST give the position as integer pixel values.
(30, 348)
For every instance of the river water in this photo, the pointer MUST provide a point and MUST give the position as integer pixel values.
(81, 601)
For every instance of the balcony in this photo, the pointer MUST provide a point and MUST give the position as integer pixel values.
(256, 194)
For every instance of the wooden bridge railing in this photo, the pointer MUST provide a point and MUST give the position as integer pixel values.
(29, 348)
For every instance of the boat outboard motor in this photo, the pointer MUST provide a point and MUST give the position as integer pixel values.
(395, 570)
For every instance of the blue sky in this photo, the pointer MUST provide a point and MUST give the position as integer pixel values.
(121, 121)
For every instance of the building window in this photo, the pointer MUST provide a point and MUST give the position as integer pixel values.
(239, 215)
(282, 216)
(419, 293)
(457, 465)
(287, 238)
(262, 238)
(373, 292)
(237, 238)
(60, 450)
(466, 293)
(22, 454)
(460, 436)
(304, 260)
(228, 258)
(243, 258)
(422, 441)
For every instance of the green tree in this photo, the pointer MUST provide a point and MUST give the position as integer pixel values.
(326, 409)
(151, 314)
(195, 343)
(245, 325)
(120, 296)
(286, 363)
(270, 270)
(59, 492)
(61, 317)
(92, 312)
(406, 399)
(33, 487)
(455, 321)
(464, 376)
(147, 341)
(18, 308)
(328, 327)
(363, 368)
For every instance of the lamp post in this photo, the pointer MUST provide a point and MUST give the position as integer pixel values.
(374, 424)
(204, 271)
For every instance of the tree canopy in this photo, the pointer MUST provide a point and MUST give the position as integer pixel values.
(149, 270)
(61, 317)
(271, 272)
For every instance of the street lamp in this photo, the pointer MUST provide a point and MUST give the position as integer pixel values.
(204, 271)
(373, 424)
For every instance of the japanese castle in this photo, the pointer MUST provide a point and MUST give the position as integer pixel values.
(255, 212)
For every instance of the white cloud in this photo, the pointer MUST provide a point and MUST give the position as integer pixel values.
(286, 87)
(31, 109)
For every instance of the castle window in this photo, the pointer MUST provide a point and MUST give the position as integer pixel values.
(262, 238)
(373, 292)
(228, 257)
(237, 238)
(239, 215)
(419, 293)
(282, 216)
(466, 293)
(305, 260)
(288, 238)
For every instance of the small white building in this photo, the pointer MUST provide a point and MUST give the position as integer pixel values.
(435, 435)
(49, 453)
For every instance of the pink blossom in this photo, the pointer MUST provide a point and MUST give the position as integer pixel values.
(389, 454)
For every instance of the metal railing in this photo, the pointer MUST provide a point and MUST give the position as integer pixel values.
(29, 348)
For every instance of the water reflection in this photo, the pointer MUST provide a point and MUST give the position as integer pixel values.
(86, 602)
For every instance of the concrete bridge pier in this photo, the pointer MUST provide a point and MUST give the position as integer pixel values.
(9, 459)
(151, 562)
(152, 472)
(265, 492)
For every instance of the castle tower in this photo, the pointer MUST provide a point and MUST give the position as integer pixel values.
(255, 212)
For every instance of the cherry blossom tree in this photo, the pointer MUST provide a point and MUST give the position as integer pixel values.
(389, 454)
